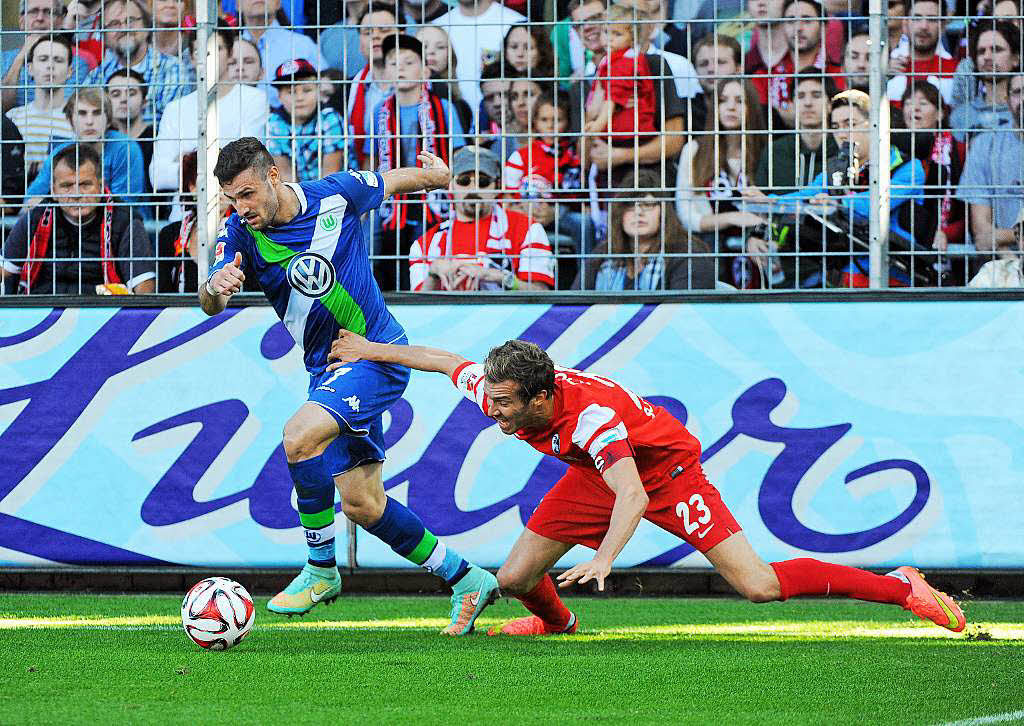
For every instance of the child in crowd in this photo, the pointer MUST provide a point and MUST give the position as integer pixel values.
(306, 139)
(621, 103)
(549, 169)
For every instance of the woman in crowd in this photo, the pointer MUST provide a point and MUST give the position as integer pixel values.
(647, 248)
(995, 51)
(717, 165)
(248, 62)
(522, 96)
(442, 64)
(939, 219)
(528, 51)
(965, 81)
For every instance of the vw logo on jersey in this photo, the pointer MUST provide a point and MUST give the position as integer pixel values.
(311, 274)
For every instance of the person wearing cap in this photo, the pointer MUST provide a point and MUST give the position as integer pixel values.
(412, 119)
(483, 246)
(305, 137)
(242, 111)
(845, 191)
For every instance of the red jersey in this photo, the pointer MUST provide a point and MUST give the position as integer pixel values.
(775, 86)
(596, 422)
(937, 70)
(624, 76)
(506, 240)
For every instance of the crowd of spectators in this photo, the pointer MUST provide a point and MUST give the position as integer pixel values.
(594, 144)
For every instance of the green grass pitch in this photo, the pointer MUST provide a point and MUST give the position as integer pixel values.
(101, 659)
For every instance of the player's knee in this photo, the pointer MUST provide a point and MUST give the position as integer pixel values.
(762, 587)
(299, 445)
(365, 511)
(513, 581)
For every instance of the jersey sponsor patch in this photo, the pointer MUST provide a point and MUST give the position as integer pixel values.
(366, 177)
(311, 274)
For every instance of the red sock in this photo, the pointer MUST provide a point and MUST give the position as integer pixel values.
(543, 601)
(805, 576)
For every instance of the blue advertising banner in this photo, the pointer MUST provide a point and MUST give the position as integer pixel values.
(874, 433)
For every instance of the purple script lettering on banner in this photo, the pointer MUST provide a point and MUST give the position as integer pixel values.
(56, 403)
(802, 448)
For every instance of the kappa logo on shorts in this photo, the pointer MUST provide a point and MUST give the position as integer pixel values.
(353, 403)
(311, 274)
(555, 443)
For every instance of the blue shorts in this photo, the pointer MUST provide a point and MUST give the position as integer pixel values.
(357, 395)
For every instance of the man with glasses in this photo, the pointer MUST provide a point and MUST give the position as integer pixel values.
(127, 40)
(483, 246)
(39, 18)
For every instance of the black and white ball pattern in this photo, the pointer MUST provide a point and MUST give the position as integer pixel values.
(217, 613)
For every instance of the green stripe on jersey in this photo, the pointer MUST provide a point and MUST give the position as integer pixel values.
(419, 555)
(338, 300)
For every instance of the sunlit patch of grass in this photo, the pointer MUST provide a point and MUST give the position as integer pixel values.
(803, 629)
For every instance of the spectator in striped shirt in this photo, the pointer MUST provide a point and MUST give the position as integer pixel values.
(483, 245)
(43, 119)
(305, 138)
(128, 45)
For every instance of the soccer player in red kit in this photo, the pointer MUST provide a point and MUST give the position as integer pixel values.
(628, 459)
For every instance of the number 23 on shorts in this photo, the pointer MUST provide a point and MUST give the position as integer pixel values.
(686, 509)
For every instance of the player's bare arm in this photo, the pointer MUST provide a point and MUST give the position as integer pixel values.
(350, 347)
(225, 282)
(432, 174)
(631, 502)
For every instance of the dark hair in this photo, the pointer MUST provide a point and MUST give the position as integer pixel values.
(497, 71)
(634, 188)
(813, 3)
(247, 152)
(554, 97)
(75, 155)
(1005, 28)
(541, 35)
(228, 36)
(381, 8)
(134, 75)
(813, 73)
(189, 170)
(525, 364)
(147, 18)
(59, 39)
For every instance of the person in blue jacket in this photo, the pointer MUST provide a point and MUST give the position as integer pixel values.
(89, 112)
(809, 254)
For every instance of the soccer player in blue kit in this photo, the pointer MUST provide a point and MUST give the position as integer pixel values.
(304, 244)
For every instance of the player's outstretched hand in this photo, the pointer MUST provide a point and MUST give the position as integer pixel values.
(348, 347)
(441, 175)
(228, 279)
(585, 572)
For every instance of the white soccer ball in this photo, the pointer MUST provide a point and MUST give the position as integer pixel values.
(217, 613)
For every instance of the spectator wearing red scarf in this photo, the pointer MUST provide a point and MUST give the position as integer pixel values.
(79, 241)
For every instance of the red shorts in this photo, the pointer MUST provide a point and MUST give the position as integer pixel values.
(579, 507)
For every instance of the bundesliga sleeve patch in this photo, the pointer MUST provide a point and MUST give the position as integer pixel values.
(219, 252)
(604, 442)
(366, 177)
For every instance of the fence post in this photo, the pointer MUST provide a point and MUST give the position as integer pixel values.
(879, 172)
(207, 188)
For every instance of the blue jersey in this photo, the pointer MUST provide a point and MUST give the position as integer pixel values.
(315, 270)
